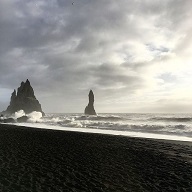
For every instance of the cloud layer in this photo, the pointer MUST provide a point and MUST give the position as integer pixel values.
(135, 55)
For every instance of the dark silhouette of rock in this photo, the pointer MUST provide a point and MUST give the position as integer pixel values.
(9, 120)
(24, 100)
(22, 119)
(89, 109)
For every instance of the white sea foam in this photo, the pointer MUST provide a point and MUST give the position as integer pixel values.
(2, 118)
(19, 114)
(34, 117)
(110, 132)
(144, 125)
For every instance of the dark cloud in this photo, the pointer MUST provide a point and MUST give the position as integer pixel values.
(115, 48)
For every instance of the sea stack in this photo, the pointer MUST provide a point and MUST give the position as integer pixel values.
(89, 109)
(24, 99)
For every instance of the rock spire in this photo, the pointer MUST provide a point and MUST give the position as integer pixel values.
(89, 109)
(24, 100)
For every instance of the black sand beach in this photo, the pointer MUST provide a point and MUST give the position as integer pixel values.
(47, 160)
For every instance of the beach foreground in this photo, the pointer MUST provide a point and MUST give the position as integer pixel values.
(49, 160)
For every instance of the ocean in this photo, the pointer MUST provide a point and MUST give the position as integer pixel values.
(159, 126)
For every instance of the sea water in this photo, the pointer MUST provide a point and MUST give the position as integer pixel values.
(160, 126)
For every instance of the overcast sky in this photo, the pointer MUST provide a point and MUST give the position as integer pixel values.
(136, 55)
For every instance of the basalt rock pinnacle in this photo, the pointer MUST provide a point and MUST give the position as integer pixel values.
(89, 109)
(24, 100)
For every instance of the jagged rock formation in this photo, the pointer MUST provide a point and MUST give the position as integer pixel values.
(24, 100)
(9, 120)
(89, 109)
(22, 119)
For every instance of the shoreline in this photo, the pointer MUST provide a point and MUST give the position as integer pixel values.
(34, 159)
(153, 136)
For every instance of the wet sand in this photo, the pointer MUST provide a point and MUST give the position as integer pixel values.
(48, 160)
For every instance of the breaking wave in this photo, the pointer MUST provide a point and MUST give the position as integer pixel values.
(32, 117)
(174, 124)
(144, 123)
(172, 119)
